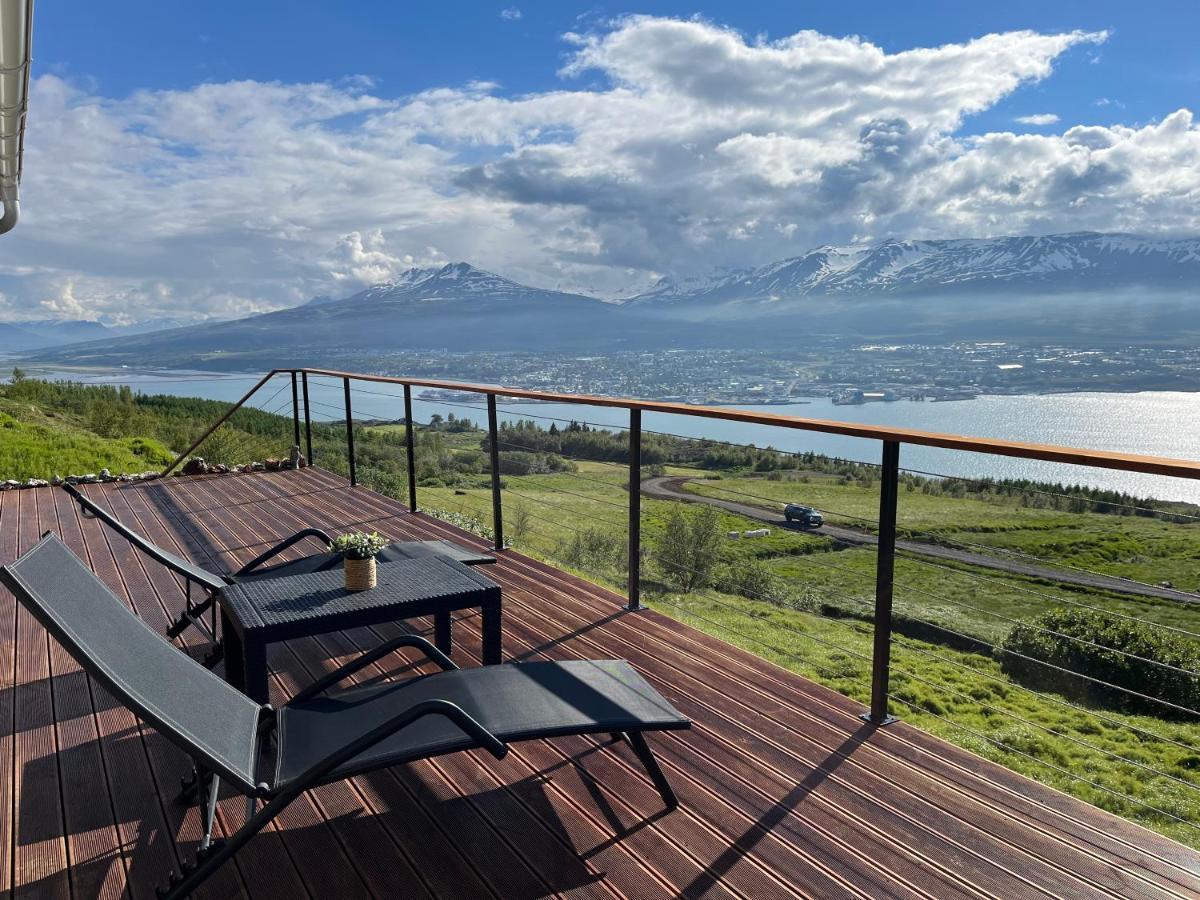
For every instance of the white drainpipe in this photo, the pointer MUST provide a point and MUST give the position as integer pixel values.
(16, 43)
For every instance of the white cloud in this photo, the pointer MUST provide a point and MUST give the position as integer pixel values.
(363, 259)
(1038, 119)
(510, 14)
(671, 146)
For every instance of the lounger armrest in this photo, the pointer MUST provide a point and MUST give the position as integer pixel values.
(325, 682)
(177, 564)
(283, 545)
(316, 773)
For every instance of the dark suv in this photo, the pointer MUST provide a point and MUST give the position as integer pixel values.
(805, 516)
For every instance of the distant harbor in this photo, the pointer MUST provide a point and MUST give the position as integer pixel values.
(859, 396)
(441, 395)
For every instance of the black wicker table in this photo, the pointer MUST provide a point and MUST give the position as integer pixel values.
(257, 613)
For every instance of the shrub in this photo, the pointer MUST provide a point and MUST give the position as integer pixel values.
(594, 550)
(689, 547)
(154, 453)
(751, 578)
(519, 462)
(1104, 657)
(520, 521)
(460, 519)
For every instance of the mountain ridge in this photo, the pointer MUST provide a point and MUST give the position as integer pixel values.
(892, 267)
(1112, 286)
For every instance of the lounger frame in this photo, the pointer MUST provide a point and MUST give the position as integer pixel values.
(230, 738)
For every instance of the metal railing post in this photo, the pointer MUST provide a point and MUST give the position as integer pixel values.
(635, 511)
(307, 418)
(885, 565)
(494, 440)
(349, 432)
(410, 446)
(295, 412)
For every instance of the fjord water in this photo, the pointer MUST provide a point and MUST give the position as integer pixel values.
(1160, 423)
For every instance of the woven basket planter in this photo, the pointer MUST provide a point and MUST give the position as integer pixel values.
(360, 574)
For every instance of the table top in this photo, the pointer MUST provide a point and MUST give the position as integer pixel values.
(314, 599)
(416, 549)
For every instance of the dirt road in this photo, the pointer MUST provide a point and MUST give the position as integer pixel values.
(671, 487)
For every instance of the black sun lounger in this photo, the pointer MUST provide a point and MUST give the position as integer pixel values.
(274, 755)
(193, 612)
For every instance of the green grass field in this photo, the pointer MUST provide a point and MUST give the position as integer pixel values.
(1144, 548)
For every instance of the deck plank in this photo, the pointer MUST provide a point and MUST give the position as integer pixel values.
(785, 793)
(93, 842)
(9, 515)
(164, 833)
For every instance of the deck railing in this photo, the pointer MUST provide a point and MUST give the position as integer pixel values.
(890, 439)
(913, 631)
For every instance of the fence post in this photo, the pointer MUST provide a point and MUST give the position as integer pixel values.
(349, 432)
(307, 418)
(295, 412)
(635, 511)
(494, 440)
(411, 448)
(885, 566)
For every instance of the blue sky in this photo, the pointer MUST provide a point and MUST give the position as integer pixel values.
(213, 159)
(1149, 65)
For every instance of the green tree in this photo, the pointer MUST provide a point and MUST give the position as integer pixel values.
(689, 547)
(519, 524)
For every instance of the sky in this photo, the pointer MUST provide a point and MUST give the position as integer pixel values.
(209, 160)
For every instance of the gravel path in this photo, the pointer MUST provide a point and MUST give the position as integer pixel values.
(671, 487)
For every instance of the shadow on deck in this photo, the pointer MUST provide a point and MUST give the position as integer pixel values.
(784, 790)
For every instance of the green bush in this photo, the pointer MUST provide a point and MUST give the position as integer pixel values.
(154, 453)
(689, 547)
(519, 462)
(754, 579)
(1121, 652)
(595, 550)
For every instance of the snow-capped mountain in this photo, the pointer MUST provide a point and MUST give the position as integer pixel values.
(454, 306)
(453, 281)
(1083, 261)
(669, 287)
(1118, 286)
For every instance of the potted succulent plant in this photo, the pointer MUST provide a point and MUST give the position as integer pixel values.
(359, 550)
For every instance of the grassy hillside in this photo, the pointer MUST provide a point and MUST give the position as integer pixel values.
(1147, 548)
(34, 444)
(60, 428)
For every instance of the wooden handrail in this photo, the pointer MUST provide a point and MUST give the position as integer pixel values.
(1098, 459)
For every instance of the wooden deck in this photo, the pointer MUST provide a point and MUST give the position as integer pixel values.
(785, 791)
